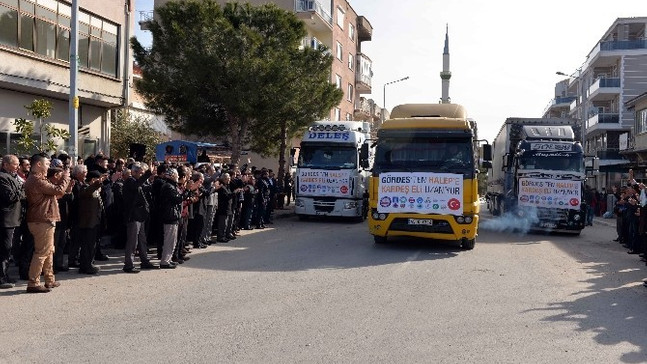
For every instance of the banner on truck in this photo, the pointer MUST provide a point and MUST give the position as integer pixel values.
(420, 192)
(551, 193)
(313, 182)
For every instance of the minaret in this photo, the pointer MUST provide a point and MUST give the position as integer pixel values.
(445, 75)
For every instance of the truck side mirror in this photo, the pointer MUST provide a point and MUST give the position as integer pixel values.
(293, 152)
(486, 152)
(363, 156)
(486, 156)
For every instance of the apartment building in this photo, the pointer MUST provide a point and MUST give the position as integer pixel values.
(614, 72)
(34, 64)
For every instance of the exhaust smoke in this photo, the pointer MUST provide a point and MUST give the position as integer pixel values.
(519, 221)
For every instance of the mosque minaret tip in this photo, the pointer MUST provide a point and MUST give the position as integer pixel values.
(445, 75)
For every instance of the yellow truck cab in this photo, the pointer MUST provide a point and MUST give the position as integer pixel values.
(424, 178)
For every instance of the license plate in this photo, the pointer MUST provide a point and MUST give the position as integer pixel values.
(548, 224)
(427, 222)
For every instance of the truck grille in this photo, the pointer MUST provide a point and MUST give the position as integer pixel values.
(552, 214)
(439, 226)
(324, 204)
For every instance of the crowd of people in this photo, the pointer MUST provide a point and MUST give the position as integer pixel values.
(55, 215)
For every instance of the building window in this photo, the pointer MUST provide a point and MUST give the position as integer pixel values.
(337, 114)
(351, 61)
(351, 32)
(340, 17)
(43, 27)
(8, 25)
(349, 117)
(641, 121)
(349, 94)
(338, 81)
(340, 49)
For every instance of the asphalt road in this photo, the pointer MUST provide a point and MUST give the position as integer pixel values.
(322, 292)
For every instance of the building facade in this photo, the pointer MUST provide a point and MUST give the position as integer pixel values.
(614, 72)
(35, 56)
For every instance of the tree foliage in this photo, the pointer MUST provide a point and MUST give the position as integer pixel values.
(234, 72)
(48, 135)
(126, 129)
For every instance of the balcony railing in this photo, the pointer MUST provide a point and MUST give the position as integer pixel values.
(603, 118)
(623, 44)
(609, 153)
(306, 6)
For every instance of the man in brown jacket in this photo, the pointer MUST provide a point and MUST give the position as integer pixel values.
(42, 215)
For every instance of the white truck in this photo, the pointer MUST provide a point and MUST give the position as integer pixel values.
(330, 180)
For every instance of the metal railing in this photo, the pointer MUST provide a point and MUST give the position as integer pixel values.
(305, 6)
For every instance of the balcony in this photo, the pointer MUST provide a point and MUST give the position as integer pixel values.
(314, 15)
(603, 122)
(145, 18)
(604, 89)
(609, 153)
(606, 52)
(364, 29)
(363, 74)
(559, 105)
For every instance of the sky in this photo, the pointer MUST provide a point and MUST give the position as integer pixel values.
(504, 54)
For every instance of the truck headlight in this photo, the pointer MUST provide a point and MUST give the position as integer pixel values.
(350, 205)
(299, 203)
(468, 219)
(376, 216)
(382, 216)
(577, 217)
(460, 219)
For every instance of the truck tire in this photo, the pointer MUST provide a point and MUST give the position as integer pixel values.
(468, 244)
(379, 239)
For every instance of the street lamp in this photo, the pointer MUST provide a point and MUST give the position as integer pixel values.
(384, 93)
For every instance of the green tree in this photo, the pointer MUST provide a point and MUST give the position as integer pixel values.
(232, 71)
(126, 129)
(48, 133)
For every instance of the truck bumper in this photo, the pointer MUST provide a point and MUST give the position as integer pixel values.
(444, 227)
(328, 207)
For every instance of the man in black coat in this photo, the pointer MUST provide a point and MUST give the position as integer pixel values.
(11, 194)
(137, 210)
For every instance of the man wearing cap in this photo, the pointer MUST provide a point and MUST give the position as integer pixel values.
(11, 194)
(42, 215)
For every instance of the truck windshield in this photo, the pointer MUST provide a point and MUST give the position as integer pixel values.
(327, 157)
(422, 153)
(563, 162)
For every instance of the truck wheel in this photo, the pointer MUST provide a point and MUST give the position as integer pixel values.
(468, 244)
(379, 239)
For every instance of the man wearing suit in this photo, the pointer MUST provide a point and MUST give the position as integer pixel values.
(11, 194)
